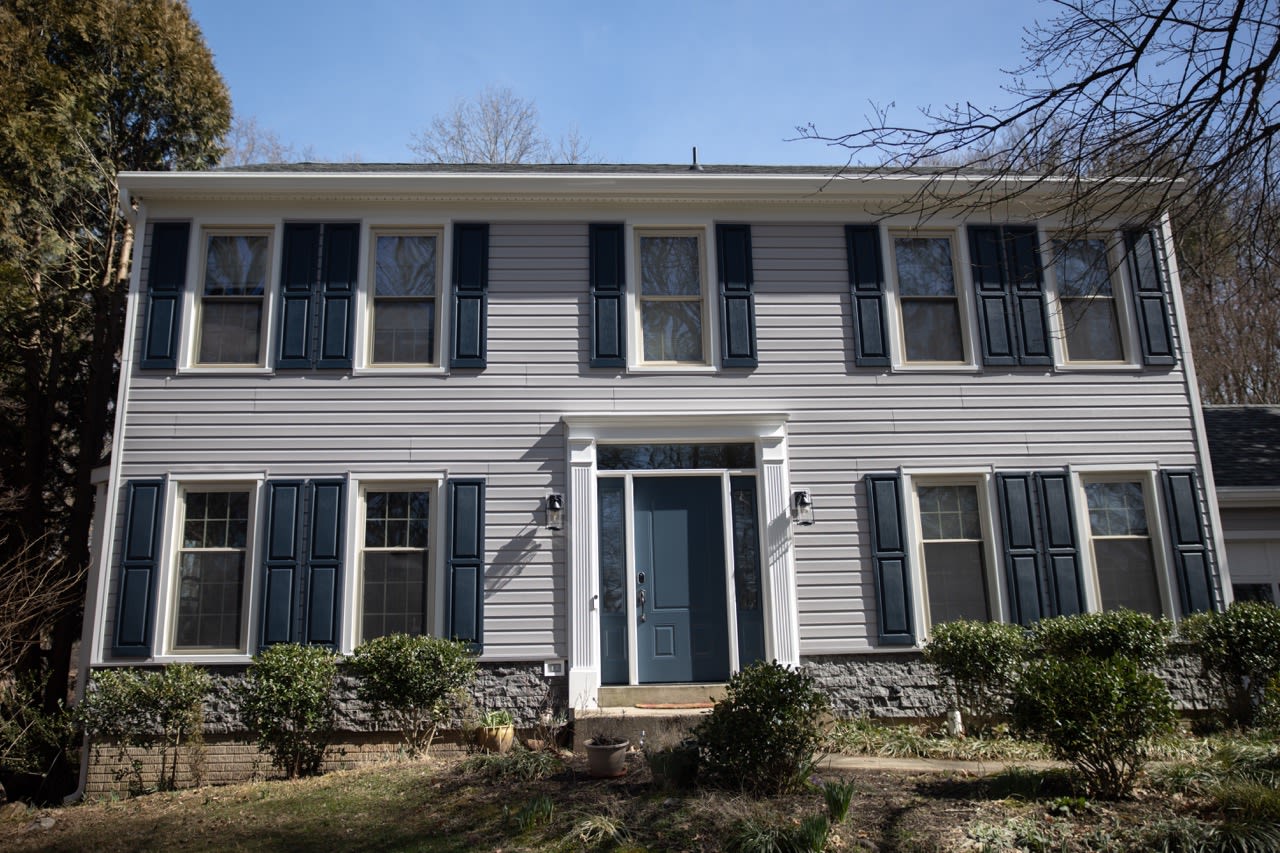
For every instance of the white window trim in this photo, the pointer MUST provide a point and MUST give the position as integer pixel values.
(353, 577)
(992, 545)
(961, 279)
(1157, 531)
(1126, 322)
(363, 344)
(166, 615)
(193, 297)
(705, 232)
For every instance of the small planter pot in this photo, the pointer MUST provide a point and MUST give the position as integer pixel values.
(496, 738)
(607, 760)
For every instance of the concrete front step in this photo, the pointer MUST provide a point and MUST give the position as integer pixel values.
(652, 727)
(657, 695)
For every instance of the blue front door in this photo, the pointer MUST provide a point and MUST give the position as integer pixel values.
(682, 626)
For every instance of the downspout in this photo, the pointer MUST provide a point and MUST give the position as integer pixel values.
(100, 573)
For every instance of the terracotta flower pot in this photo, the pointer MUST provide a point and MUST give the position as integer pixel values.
(496, 738)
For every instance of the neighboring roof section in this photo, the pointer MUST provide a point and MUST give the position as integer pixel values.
(1244, 444)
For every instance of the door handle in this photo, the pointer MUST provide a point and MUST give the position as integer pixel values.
(640, 599)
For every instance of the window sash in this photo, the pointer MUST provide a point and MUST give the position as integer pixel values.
(232, 299)
(671, 298)
(929, 305)
(953, 552)
(404, 298)
(394, 561)
(209, 570)
(1089, 310)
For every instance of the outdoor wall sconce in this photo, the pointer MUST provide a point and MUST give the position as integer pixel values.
(555, 511)
(802, 507)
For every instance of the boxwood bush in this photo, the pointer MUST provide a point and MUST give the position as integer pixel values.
(1239, 651)
(409, 681)
(1131, 635)
(761, 738)
(287, 701)
(979, 663)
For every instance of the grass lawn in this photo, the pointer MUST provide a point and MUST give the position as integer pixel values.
(450, 805)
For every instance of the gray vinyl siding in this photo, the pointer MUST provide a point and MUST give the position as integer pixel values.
(503, 423)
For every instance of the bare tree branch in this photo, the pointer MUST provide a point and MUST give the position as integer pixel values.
(497, 126)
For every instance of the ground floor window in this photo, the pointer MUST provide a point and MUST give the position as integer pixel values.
(954, 559)
(211, 563)
(1122, 555)
(394, 560)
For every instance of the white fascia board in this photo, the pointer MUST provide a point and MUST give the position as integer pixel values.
(782, 186)
(1248, 496)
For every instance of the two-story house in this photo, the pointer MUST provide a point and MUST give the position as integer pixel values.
(627, 425)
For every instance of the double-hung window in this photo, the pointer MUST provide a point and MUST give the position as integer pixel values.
(932, 314)
(404, 299)
(671, 299)
(1123, 558)
(211, 559)
(1090, 315)
(394, 559)
(952, 550)
(233, 299)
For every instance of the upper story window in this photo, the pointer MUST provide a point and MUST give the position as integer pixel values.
(210, 570)
(1123, 558)
(233, 299)
(1090, 311)
(928, 299)
(394, 559)
(671, 298)
(955, 562)
(404, 296)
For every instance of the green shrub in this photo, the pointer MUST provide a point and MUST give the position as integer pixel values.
(518, 765)
(1239, 652)
(762, 736)
(287, 701)
(1135, 636)
(1096, 714)
(409, 682)
(1269, 713)
(979, 662)
(33, 742)
(141, 709)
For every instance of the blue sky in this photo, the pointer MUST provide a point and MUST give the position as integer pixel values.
(643, 82)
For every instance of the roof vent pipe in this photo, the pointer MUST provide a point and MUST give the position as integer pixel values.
(695, 167)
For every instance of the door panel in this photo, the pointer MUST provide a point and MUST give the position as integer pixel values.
(682, 627)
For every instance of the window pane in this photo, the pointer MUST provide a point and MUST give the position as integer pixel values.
(931, 328)
(949, 512)
(672, 330)
(1127, 575)
(1116, 509)
(1082, 268)
(229, 331)
(394, 593)
(210, 587)
(640, 457)
(1253, 592)
(669, 266)
(406, 265)
(1092, 331)
(613, 557)
(404, 331)
(236, 265)
(924, 266)
(957, 581)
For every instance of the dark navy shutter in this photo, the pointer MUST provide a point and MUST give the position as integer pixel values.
(324, 563)
(1026, 286)
(1058, 543)
(282, 563)
(889, 559)
(986, 259)
(1016, 494)
(470, 294)
(166, 274)
(608, 294)
(1009, 288)
(737, 304)
(135, 593)
(1143, 266)
(1189, 538)
(465, 617)
(866, 289)
(298, 281)
(337, 289)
